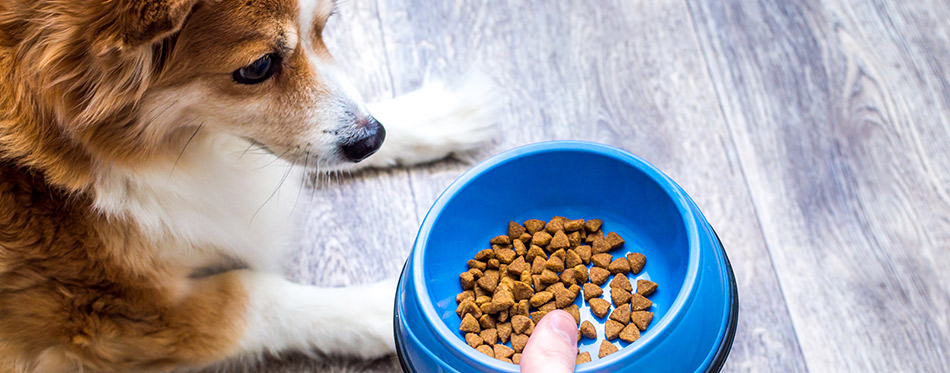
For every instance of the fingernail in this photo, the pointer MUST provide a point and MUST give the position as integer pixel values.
(563, 325)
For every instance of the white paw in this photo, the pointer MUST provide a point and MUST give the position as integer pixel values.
(436, 121)
(377, 319)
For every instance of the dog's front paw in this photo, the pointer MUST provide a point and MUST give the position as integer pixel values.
(377, 319)
(437, 121)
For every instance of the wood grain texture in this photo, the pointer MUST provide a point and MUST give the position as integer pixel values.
(840, 113)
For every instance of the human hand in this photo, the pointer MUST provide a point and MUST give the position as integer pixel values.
(552, 347)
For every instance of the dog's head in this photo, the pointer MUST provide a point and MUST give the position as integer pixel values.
(127, 78)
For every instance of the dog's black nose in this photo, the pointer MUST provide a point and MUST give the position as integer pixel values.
(371, 136)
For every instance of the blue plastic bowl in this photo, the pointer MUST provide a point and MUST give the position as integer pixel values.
(695, 307)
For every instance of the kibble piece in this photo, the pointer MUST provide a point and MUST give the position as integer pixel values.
(559, 241)
(533, 226)
(501, 240)
(486, 322)
(606, 348)
(469, 324)
(519, 248)
(599, 307)
(639, 302)
(612, 329)
(493, 263)
(506, 360)
(575, 312)
(641, 319)
(593, 235)
(479, 292)
(520, 308)
(467, 280)
(536, 282)
(630, 333)
(560, 254)
(567, 277)
(517, 266)
(580, 273)
(538, 265)
(472, 339)
(619, 296)
(541, 298)
(489, 281)
(563, 298)
(613, 240)
(541, 239)
(554, 264)
(645, 287)
(484, 255)
(621, 314)
(575, 289)
(504, 331)
(621, 282)
(478, 273)
(476, 264)
(468, 307)
(468, 294)
(553, 226)
(583, 357)
(599, 275)
(601, 260)
(549, 306)
(503, 352)
(619, 265)
(548, 277)
(482, 299)
(553, 288)
(521, 290)
(538, 315)
(502, 316)
(520, 323)
(518, 341)
(574, 225)
(515, 230)
(535, 251)
(525, 238)
(526, 276)
(584, 252)
(637, 261)
(592, 291)
(505, 256)
(574, 238)
(593, 225)
(486, 349)
(516, 358)
(599, 245)
(572, 260)
(490, 336)
(587, 329)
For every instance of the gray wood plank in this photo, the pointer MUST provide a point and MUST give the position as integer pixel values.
(630, 74)
(840, 112)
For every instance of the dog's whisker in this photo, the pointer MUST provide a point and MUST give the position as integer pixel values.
(269, 198)
(303, 180)
(182, 152)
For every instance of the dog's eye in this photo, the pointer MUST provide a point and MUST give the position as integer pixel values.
(259, 70)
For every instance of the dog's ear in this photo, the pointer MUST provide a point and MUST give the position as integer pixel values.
(127, 25)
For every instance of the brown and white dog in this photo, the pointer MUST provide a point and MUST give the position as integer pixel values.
(124, 171)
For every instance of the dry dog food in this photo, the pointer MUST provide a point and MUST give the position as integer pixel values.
(542, 266)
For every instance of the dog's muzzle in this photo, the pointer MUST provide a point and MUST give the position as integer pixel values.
(370, 138)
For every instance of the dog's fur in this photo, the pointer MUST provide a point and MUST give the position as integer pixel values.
(130, 160)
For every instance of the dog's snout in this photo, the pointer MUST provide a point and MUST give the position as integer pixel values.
(370, 138)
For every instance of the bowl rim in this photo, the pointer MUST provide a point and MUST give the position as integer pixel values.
(673, 191)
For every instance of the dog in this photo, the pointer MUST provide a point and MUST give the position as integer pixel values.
(143, 141)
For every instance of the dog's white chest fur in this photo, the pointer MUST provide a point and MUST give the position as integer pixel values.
(219, 200)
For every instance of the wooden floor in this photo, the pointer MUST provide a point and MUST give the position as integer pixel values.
(814, 135)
